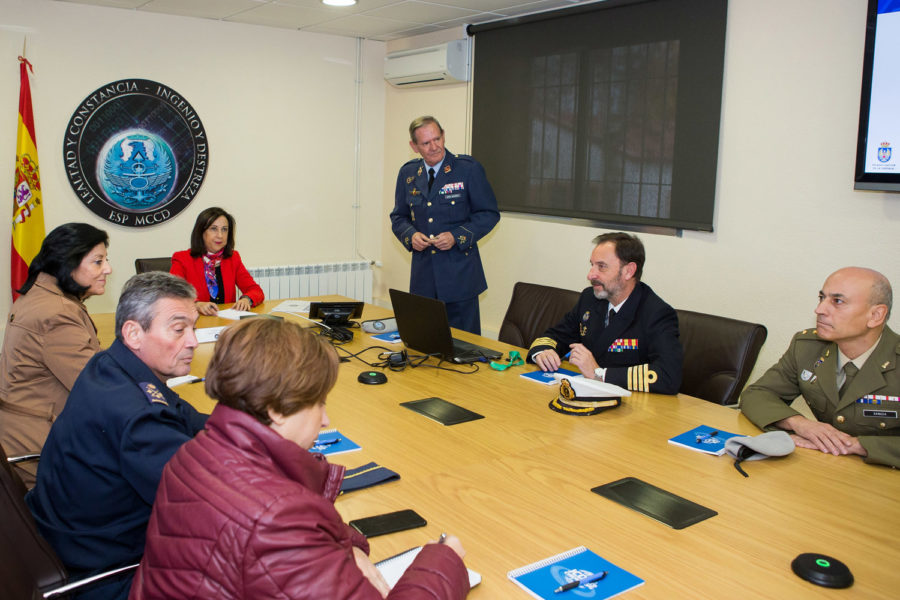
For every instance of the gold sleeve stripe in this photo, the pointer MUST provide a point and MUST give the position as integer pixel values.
(640, 377)
(544, 341)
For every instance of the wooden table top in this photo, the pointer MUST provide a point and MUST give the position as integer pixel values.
(515, 486)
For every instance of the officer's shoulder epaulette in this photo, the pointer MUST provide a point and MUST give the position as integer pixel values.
(808, 334)
(152, 393)
(464, 158)
(411, 162)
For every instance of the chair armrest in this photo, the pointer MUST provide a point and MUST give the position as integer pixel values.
(24, 458)
(60, 591)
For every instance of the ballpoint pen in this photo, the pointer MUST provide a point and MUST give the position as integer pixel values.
(574, 584)
(198, 380)
(328, 442)
(711, 434)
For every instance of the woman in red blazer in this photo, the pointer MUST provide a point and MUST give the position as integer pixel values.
(214, 267)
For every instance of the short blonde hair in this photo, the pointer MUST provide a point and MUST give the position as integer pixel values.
(422, 122)
(262, 363)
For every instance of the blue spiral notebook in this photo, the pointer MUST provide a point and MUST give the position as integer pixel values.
(547, 377)
(703, 439)
(540, 579)
(391, 338)
(330, 441)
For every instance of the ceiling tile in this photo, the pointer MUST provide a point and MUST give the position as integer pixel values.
(210, 9)
(420, 12)
(541, 6)
(282, 15)
(483, 5)
(111, 3)
(360, 6)
(363, 26)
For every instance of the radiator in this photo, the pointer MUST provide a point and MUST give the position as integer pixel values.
(352, 279)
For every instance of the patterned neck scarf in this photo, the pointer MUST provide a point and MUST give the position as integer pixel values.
(211, 260)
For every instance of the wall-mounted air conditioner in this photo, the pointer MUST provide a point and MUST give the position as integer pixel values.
(435, 65)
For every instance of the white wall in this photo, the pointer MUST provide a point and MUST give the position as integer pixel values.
(278, 106)
(786, 211)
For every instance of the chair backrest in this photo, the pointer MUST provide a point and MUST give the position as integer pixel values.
(142, 265)
(532, 310)
(719, 354)
(29, 564)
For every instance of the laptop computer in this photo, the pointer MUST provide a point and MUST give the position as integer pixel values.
(423, 326)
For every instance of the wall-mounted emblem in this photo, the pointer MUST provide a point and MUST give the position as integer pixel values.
(135, 152)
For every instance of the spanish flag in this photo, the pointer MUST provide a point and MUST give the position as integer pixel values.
(28, 209)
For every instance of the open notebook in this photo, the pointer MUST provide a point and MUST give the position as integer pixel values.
(394, 567)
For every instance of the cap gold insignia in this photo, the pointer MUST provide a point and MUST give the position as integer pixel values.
(565, 390)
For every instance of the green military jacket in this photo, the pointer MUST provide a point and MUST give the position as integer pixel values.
(869, 408)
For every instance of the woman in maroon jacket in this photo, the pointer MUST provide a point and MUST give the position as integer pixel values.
(245, 511)
(214, 267)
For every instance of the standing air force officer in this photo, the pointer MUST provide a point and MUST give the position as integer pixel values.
(443, 205)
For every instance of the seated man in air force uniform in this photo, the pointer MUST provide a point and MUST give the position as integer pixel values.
(620, 331)
(103, 459)
(846, 371)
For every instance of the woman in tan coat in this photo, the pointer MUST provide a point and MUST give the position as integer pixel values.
(49, 336)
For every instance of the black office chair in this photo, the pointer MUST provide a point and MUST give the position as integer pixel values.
(719, 354)
(29, 568)
(142, 265)
(532, 310)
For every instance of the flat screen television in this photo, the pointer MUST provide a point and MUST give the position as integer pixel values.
(878, 144)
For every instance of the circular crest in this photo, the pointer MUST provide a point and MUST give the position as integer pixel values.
(135, 152)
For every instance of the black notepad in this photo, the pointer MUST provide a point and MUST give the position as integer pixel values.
(445, 413)
(656, 503)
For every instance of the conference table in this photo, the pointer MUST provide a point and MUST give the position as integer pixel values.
(515, 486)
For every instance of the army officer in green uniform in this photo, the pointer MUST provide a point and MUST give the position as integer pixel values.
(846, 371)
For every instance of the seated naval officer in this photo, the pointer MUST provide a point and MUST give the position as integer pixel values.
(620, 331)
(846, 371)
(103, 459)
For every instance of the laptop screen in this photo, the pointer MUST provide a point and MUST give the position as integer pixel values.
(422, 323)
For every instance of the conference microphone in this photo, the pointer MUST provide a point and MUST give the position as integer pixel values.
(379, 326)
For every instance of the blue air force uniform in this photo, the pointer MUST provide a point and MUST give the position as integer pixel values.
(102, 462)
(462, 202)
(639, 348)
